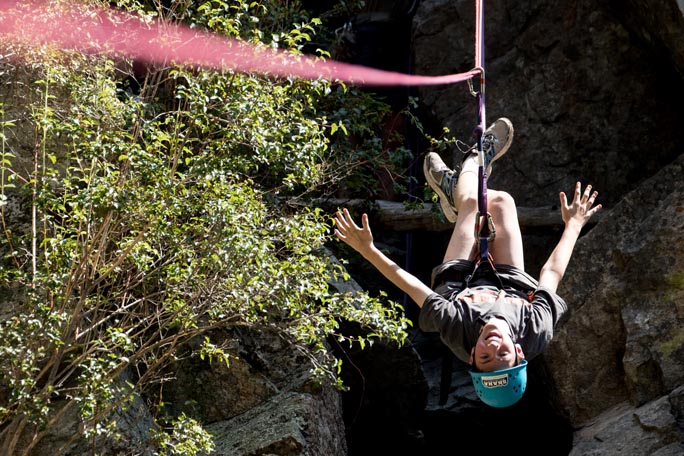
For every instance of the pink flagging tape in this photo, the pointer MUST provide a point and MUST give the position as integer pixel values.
(73, 26)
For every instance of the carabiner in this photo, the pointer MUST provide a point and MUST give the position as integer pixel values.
(482, 82)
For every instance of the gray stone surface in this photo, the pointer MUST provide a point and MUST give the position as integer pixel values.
(622, 341)
(590, 99)
(289, 424)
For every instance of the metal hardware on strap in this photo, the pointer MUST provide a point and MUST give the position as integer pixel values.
(471, 88)
(485, 230)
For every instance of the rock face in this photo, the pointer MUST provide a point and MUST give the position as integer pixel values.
(596, 93)
(287, 424)
(589, 97)
(618, 362)
(623, 341)
(265, 402)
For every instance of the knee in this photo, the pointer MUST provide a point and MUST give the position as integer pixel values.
(501, 201)
(467, 202)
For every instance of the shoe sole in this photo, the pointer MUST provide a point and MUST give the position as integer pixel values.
(447, 210)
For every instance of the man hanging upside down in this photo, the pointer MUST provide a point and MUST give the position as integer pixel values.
(491, 314)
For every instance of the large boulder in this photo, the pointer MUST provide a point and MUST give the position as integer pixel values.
(625, 288)
(626, 430)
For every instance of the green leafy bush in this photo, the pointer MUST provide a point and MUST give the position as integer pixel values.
(155, 212)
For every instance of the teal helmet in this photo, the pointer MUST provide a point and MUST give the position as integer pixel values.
(501, 388)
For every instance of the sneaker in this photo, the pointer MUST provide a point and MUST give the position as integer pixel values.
(443, 181)
(496, 141)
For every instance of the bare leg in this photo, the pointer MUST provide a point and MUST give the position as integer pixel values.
(507, 247)
(462, 242)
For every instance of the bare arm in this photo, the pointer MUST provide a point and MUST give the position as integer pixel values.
(361, 240)
(575, 215)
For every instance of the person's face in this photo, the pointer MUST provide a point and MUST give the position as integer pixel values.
(495, 349)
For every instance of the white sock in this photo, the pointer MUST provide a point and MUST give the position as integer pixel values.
(470, 164)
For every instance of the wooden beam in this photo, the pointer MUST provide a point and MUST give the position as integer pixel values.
(395, 216)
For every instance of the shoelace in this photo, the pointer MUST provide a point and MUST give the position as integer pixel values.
(465, 148)
(488, 142)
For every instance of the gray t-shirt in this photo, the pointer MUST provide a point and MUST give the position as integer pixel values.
(459, 318)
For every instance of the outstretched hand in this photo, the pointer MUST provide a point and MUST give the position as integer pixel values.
(359, 238)
(580, 209)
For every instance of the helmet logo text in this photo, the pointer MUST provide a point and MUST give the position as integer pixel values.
(496, 381)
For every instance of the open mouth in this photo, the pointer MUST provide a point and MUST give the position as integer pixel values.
(493, 335)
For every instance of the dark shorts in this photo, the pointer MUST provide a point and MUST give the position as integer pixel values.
(455, 275)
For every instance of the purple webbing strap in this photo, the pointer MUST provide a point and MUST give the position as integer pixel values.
(481, 221)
